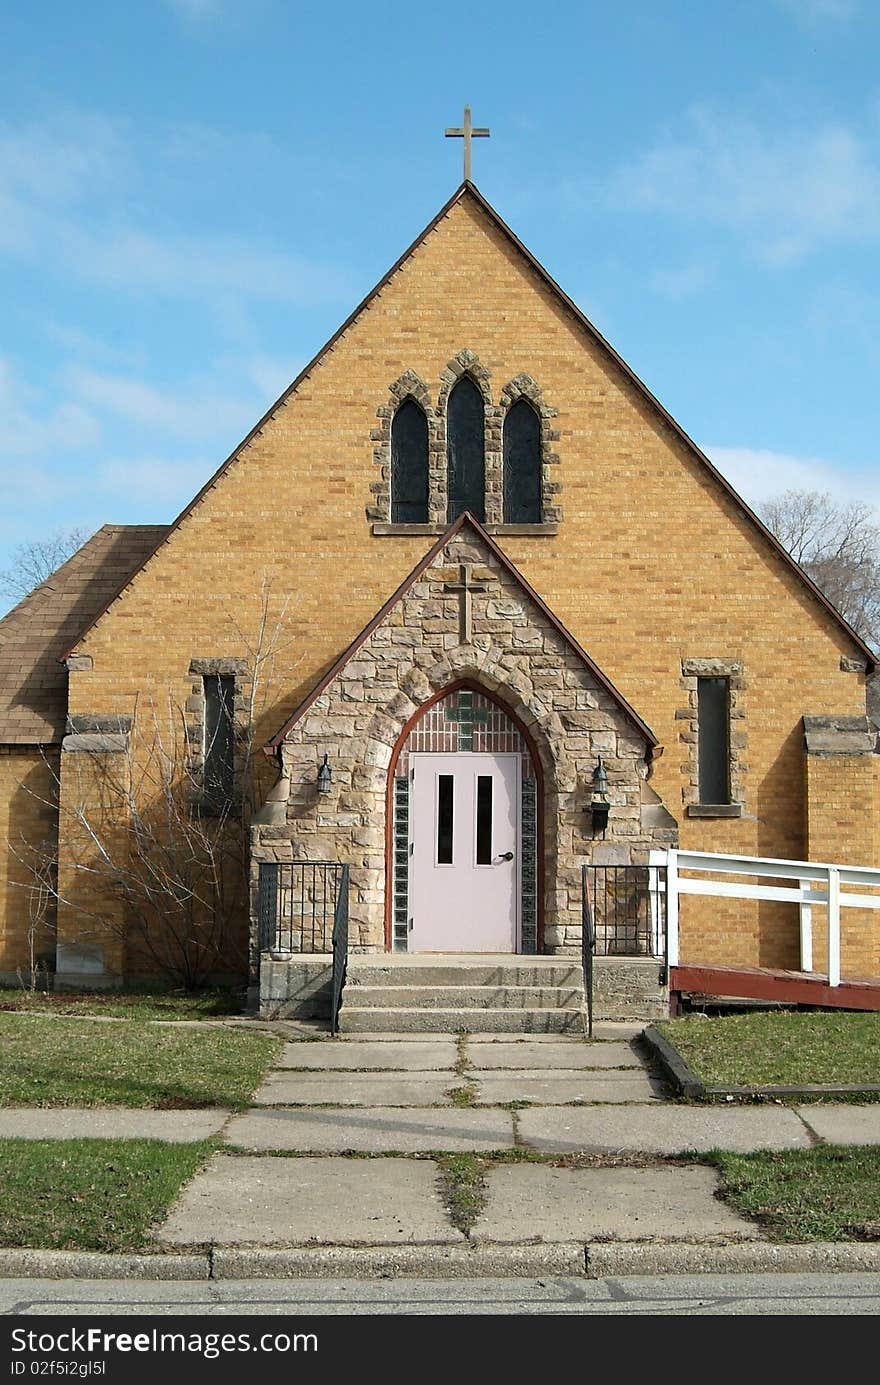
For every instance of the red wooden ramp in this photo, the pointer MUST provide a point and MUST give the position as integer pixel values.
(765, 983)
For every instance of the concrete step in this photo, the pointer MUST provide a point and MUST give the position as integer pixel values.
(506, 971)
(466, 997)
(357, 1019)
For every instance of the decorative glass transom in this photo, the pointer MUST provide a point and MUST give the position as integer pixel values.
(465, 720)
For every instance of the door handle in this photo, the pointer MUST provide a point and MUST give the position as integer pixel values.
(506, 856)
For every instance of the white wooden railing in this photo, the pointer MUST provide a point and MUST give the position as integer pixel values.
(813, 883)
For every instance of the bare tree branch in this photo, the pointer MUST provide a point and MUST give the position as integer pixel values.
(33, 562)
(838, 546)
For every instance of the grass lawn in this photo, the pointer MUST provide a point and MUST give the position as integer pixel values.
(76, 1062)
(90, 1194)
(147, 1005)
(779, 1047)
(823, 1194)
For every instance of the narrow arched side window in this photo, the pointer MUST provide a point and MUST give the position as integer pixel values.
(465, 451)
(522, 465)
(409, 465)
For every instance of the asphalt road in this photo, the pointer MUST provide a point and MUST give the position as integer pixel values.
(719, 1295)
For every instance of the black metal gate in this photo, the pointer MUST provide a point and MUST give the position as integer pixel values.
(297, 904)
(627, 907)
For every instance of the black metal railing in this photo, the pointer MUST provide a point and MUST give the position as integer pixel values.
(340, 951)
(627, 907)
(588, 945)
(299, 904)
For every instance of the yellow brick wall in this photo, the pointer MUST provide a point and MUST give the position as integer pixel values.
(842, 827)
(28, 781)
(90, 913)
(653, 561)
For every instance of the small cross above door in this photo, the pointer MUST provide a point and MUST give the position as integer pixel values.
(465, 586)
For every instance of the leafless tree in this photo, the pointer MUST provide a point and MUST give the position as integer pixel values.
(33, 562)
(838, 545)
(142, 833)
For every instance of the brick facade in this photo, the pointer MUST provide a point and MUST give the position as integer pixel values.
(647, 559)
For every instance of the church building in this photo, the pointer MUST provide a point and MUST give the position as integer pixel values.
(465, 612)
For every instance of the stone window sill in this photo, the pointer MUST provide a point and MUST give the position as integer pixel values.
(715, 810)
(385, 530)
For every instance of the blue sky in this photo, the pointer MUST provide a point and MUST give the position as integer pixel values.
(195, 193)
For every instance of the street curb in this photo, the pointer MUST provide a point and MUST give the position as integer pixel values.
(676, 1071)
(681, 1076)
(90, 1264)
(818, 1257)
(569, 1259)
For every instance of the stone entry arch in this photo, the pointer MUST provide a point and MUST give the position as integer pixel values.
(498, 730)
(418, 647)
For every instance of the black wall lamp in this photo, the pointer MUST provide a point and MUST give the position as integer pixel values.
(600, 806)
(325, 777)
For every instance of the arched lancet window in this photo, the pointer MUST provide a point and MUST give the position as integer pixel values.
(522, 465)
(409, 465)
(465, 451)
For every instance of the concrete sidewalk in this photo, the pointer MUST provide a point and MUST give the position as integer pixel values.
(289, 1191)
(510, 1097)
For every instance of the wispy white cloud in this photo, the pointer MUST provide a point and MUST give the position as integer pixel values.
(196, 266)
(784, 191)
(270, 377)
(679, 283)
(198, 10)
(31, 425)
(192, 412)
(814, 13)
(760, 473)
(168, 481)
(52, 176)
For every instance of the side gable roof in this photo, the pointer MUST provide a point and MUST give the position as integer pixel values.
(36, 632)
(465, 520)
(468, 190)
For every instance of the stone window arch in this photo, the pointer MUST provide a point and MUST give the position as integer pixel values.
(465, 451)
(467, 365)
(545, 490)
(522, 463)
(407, 387)
(382, 510)
(409, 464)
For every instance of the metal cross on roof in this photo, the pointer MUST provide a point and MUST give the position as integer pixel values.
(467, 132)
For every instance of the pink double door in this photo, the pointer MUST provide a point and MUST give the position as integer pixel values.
(464, 853)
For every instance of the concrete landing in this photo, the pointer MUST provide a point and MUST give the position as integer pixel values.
(546, 1204)
(357, 1089)
(109, 1123)
(405, 1130)
(266, 1201)
(401, 1055)
(543, 1088)
(550, 1053)
(660, 1129)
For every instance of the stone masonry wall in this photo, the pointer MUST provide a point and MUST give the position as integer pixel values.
(514, 652)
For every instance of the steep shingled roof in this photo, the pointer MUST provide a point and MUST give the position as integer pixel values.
(36, 633)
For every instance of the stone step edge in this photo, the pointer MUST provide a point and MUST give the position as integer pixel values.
(462, 997)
